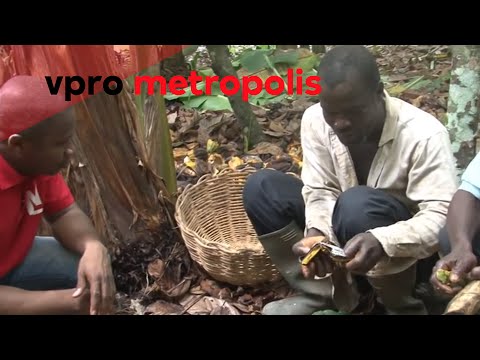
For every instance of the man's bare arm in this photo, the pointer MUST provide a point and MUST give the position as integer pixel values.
(73, 229)
(462, 220)
(14, 301)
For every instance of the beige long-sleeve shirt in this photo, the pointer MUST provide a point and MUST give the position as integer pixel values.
(414, 163)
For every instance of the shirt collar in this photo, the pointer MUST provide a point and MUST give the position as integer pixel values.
(391, 119)
(9, 177)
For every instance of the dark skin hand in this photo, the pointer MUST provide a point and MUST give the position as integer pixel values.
(463, 266)
(364, 250)
(75, 231)
(462, 227)
(321, 264)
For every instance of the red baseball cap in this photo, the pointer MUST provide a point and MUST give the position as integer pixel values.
(25, 101)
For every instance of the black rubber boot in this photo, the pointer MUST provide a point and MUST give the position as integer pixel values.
(315, 294)
(396, 293)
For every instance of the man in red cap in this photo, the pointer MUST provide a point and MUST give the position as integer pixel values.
(68, 274)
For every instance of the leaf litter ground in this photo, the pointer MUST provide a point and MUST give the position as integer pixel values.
(165, 280)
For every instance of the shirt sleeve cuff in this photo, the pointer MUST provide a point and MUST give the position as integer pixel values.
(59, 205)
(466, 186)
(325, 229)
(382, 237)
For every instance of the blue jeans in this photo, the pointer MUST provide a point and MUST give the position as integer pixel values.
(48, 266)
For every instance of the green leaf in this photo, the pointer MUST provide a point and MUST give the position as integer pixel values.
(254, 60)
(290, 58)
(216, 103)
(204, 102)
(206, 72)
(195, 101)
(215, 89)
(308, 63)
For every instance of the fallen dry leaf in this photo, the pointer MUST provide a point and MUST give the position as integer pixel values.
(156, 269)
(293, 125)
(197, 290)
(264, 147)
(161, 307)
(188, 300)
(172, 117)
(243, 308)
(180, 153)
(282, 163)
(246, 299)
(275, 126)
(258, 303)
(180, 289)
(137, 307)
(252, 159)
(211, 287)
(208, 305)
(418, 101)
(225, 294)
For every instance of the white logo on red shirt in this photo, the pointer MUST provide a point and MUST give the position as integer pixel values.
(33, 202)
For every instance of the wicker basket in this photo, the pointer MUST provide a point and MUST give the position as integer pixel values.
(218, 233)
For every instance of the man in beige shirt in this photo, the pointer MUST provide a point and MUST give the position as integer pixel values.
(377, 178)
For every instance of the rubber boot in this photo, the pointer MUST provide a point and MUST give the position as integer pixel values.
(315, 294)
(396, 293)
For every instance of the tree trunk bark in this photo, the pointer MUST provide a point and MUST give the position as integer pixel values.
(112, 161)
(463, 104)
(222, 66)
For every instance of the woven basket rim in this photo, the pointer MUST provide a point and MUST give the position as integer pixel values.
(210, 176)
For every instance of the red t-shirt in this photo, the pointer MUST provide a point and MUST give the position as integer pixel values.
(23, 202)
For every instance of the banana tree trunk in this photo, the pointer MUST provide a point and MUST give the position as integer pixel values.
(112, 177)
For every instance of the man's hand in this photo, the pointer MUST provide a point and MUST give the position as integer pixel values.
(462, 266)
(321, 264)
(365, 251)
(79, 305)
(95, 275)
